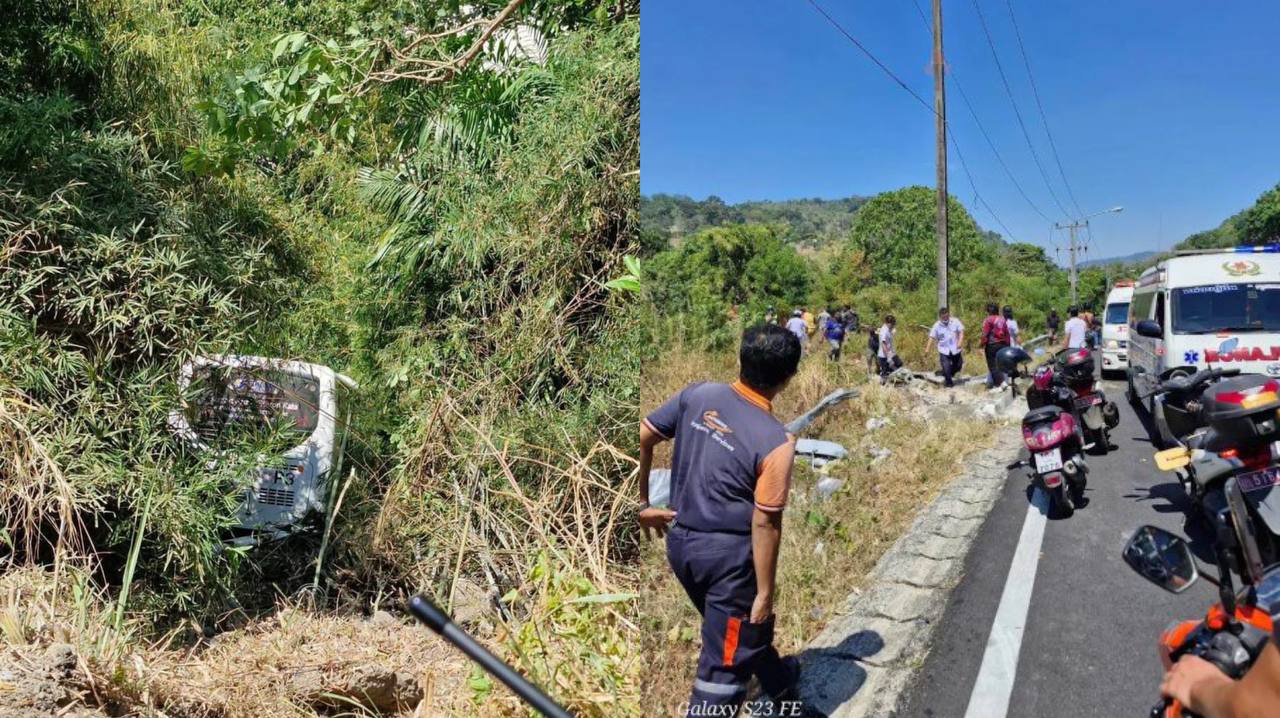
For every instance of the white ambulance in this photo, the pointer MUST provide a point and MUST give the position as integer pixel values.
(1203, 308)
(1115, 327)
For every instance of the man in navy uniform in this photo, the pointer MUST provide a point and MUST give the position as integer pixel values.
(731, 469)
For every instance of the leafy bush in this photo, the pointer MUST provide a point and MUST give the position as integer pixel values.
(724, 272)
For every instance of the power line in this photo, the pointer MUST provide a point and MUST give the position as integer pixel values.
(871, 55)
(919, 99)
(1018, 113)
(1035, 92)
(965, 166)
(981, 128)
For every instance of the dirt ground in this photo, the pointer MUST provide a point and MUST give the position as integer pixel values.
(59, 660)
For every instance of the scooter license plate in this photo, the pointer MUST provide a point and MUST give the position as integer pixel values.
(1047, 461)
(1259, 480)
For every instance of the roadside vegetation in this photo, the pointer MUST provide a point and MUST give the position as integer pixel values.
(385, 188)
(710, 284)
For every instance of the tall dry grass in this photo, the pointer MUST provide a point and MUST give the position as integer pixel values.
(41, 510)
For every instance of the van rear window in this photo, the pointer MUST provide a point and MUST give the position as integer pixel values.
(1226, 308)
(252, 398)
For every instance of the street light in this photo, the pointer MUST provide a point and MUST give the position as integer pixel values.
(1106, 211)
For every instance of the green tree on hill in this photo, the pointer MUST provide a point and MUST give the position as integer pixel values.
(894, 232)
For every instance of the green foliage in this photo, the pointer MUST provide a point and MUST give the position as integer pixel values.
(270, 108)
(722, 270)
(1028, 260)
(895, 233)
(1260, 224)
(49, 47)
(887, 265)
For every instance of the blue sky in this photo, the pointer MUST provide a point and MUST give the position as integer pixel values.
(1169, 108)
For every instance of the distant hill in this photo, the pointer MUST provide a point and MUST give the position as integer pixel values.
(808, 222)
(1135, 258)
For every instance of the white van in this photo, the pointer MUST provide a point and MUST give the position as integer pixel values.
(1115, 327)
(228, 391)
(1204, 308)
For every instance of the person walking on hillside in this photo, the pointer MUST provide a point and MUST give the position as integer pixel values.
(796, 326)
(1074, 330)
(852, 322)
(887, 355)
(1015, 334)
(730, 475)
(948, 334)
(810, 323)
(1051, 326)
(995, 336)
(834, 332)
(873, 350)
(823, 316)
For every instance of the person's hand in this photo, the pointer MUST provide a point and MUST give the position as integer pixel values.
(1188, 679)
(762, 607)
(657, 520)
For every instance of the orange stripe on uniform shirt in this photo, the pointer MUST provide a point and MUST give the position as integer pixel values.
(731, 639)
(752, 395)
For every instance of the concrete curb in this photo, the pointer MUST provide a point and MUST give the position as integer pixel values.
(862, 662)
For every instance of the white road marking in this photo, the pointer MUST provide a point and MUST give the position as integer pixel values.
(994, 687)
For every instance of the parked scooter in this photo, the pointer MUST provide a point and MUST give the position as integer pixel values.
(1233, 632)
(1053, 437)
(1069, 382)
(1230, 466)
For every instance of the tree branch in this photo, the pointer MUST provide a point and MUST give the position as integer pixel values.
(406, 67)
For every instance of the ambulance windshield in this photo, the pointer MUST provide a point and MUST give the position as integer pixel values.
(1226, 308)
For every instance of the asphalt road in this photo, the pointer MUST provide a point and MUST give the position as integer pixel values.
(1089, 642)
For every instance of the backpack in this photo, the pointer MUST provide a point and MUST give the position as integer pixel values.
(834, 329)
(873, 341)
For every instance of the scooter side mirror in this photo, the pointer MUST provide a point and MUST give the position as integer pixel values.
(1161, 557)
(1149, 328)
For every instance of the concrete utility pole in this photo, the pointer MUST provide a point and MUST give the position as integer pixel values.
(940, 109)
(1073, 248)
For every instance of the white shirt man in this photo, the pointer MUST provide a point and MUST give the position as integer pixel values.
(886, 342)
(1074, 331)
(947, 333)
(796, 326)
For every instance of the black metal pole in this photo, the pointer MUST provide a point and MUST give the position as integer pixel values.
(439, 621)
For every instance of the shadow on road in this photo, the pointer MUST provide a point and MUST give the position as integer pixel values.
(832, 676)
(1198, 533)
(1148, 425)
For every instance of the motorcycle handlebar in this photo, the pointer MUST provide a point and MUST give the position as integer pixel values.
(1204, 376)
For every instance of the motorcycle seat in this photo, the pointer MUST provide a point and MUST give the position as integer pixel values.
(1047, 413)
